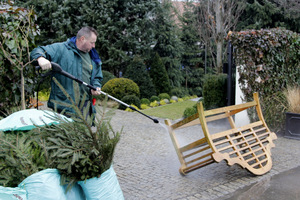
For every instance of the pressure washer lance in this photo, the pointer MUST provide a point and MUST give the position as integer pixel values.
(56, 68)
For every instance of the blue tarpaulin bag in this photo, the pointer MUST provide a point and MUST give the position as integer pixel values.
(44, 185)
(7, 193)
(75, 193)
(104, 188)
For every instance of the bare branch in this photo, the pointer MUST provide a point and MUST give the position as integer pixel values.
(215, 19)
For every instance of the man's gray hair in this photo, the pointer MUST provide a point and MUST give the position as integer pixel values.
(86, 32)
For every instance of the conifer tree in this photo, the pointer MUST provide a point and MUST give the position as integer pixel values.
(193, 50)
(138, 72)
(168, 44)
(159, 75)
(192, 46)
(260, 14)
(124, 26)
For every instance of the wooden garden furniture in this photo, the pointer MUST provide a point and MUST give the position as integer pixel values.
(248, 146)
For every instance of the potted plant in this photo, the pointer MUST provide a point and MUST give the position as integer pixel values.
(292, 122)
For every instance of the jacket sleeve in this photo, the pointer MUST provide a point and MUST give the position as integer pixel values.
(48, 52)
(97, 76)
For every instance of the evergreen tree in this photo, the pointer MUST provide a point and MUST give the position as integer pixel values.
(192, 47)
(137, 72)
(168, 44)
(159, 75)
(57, 19)
(261, 14)
(193, 52)
(125, 30)
(194, 81)
(124, 26)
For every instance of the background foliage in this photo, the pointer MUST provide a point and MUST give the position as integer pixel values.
(159, 75)
(129, 28)
(17, 36)
(265, 14)
(214, 91)
(268, 62)
(138, 72)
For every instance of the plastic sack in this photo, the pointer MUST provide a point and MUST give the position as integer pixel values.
(7, 193)
(44, 185)
(104, 188)
(75, 193)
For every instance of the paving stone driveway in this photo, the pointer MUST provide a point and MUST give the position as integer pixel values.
(147, 165)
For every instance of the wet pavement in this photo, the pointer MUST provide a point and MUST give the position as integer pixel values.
(147, 167)
(283, 186)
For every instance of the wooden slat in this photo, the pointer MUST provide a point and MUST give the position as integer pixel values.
(253, 151)
(216, 117)
(238, 137)
(193, 145)
(223, 115)
(199, 164)
(185, 121)
(259, 163)
(229, 108)
(259, 143)
(196, 152)
(255, 157)
(199, 158)
(235, 130)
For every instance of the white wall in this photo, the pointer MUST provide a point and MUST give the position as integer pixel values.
(242, 117)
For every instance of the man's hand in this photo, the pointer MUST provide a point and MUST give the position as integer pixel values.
(96, 92)
(44, 63)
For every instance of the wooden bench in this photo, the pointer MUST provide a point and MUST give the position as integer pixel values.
(248, 145)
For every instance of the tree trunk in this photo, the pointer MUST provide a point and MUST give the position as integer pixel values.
(22, 90)
(219, 40)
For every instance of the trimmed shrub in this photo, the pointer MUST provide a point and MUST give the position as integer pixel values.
(214, 91)
(164, 96)
(179, 92)
(189, 111)
(107, 76)
(130, 100)
(130, 110)
(162, 102)
(192, 110)
(144, 106)
(145, 101)
(154, 104)
(121, 87)
(186, 98)
(44, 94)
(154, 98)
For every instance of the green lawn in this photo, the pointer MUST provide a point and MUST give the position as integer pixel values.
(170, 111)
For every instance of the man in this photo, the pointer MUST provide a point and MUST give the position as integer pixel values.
(76, 56)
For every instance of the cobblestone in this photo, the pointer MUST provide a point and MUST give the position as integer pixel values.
(147, 165)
